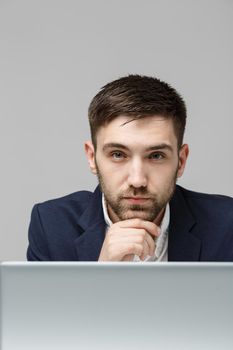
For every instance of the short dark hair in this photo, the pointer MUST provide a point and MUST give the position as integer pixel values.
(137, 96)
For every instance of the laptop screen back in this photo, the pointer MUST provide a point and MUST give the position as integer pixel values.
(116, 306)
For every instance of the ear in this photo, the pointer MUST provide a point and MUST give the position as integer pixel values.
(183, 155)
(90, 153)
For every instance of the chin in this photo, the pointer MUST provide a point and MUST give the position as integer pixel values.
(136, 215)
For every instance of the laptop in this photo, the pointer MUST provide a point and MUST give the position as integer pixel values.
(116, 306)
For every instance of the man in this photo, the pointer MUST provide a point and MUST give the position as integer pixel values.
(137, 213)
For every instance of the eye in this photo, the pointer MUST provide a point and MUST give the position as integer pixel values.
(117, 155)
(156, 156)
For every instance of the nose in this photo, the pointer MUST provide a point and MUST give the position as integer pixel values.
(137, 175)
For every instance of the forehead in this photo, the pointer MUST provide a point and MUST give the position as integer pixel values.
(144, 131)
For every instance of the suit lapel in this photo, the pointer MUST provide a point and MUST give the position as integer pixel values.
(88, 245)
(183, 245)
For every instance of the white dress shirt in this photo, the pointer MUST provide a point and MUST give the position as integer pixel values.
(161, 249)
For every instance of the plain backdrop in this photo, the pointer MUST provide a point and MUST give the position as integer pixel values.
(55, 55)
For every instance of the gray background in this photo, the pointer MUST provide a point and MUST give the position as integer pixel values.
(54, 57)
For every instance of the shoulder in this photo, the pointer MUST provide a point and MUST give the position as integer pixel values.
(206, 197)
(212, 222)
(213, 205)
(62, 213)
(54, 226)
(76, 201)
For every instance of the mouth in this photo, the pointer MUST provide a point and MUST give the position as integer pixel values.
(136, 200)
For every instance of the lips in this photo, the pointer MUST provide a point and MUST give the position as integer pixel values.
(136, 197)
(136, 200)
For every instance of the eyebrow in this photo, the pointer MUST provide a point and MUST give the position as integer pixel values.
(164, 146)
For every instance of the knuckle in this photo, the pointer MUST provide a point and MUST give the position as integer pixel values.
(143, 233)
(140, 250)
(138, 222)
(131, 247)
(141, 239)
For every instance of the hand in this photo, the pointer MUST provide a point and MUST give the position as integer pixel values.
(127, 238)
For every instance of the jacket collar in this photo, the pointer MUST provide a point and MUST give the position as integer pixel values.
(183, 245)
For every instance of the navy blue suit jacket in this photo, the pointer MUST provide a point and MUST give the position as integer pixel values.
(72, 228)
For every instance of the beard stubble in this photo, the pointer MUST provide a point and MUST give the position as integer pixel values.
(148, 211)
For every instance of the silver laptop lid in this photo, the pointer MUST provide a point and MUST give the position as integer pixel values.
(116, 306)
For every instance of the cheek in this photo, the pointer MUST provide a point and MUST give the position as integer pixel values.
(110, 170)
(163, 175)
(112, 176)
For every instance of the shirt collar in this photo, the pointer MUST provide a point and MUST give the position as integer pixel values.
(107, 219)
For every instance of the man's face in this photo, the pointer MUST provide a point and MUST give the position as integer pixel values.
(137, 163)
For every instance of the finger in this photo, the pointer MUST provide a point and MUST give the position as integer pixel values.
(117, 251)
(151, 227)
(128, 257)
(133, 236)
(151, 244)
(118, 233)
(125, 249)
(137, 236)
(146, 251)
